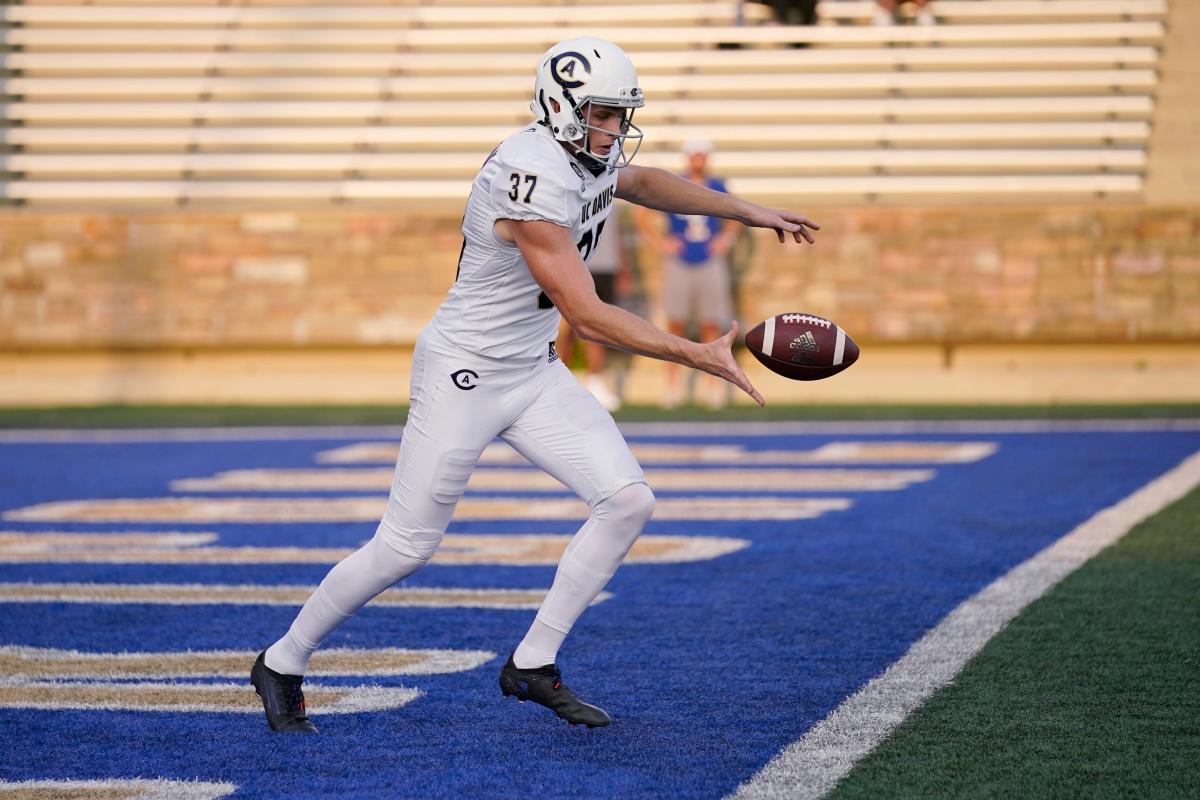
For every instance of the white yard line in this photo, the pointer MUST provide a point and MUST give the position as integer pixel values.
(136, 789)
(732, 428)
(813, 765)
(251, 434)
(981, 426)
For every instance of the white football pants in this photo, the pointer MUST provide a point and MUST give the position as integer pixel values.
(459, 403)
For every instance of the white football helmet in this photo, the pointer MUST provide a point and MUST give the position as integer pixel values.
(581, 70)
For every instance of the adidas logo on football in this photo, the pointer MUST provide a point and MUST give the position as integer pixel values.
(805, 341)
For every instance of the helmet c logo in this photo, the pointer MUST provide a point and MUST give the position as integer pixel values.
(465, 379)
(563, 66)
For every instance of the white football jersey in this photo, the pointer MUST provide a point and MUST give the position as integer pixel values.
(495, 308)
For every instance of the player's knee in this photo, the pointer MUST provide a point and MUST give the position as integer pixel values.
(388, 564)
(631, 506)
(622, 517)
(408, 540)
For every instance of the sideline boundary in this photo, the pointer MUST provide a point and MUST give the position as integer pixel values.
(813, 765)
(715, 428)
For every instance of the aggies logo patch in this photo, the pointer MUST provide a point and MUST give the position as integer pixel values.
(569, 69)
(465, 379)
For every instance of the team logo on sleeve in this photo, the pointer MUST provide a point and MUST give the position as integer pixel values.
(465, 379)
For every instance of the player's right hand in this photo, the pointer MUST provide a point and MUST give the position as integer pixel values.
(716, 358)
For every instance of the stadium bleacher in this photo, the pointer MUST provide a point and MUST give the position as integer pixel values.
(293, 100)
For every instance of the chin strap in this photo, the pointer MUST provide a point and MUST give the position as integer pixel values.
(591, 163)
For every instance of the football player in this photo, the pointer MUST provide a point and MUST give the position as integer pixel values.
(485, 367)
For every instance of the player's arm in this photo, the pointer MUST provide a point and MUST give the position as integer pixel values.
(555, 264)
(656, 188)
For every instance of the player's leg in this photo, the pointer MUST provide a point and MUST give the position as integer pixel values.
(567, 433)
(278, 672)
(448, 426)
(589, 562)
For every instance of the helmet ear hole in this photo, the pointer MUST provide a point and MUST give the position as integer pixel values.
(554, 104)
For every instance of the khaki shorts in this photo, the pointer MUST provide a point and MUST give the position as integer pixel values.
(701, 290)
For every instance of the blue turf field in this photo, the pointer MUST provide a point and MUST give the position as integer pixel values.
(710, 667)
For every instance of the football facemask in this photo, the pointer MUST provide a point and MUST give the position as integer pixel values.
(618, 156)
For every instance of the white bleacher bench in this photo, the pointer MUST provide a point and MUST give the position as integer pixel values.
(649, 62)
(960, 11)
(774, 163)
(658, 87)
(1031, 8)
(457, 190)
(434, 138)
(333, 16)
(940, 185)
(464, 164)
(474, 41)
(956, 11)
(289, 4)
(212, 102)
(233, 190)
(516, 113)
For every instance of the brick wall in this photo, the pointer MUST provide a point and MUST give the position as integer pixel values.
(197, 279)
(172, 279)
(994, 274)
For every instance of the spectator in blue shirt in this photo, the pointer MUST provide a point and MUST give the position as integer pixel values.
(695, 271)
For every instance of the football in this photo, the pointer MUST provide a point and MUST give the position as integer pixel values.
(802, 347)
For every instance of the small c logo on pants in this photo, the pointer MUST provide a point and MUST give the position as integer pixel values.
(465, 379)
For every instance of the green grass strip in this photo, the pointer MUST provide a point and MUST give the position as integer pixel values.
(1092, 692)
(198, 416)
(157, 416)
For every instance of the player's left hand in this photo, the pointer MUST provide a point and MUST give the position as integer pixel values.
(781, 221)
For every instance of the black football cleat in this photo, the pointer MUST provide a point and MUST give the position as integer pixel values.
(282, 698)
(544, 686)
